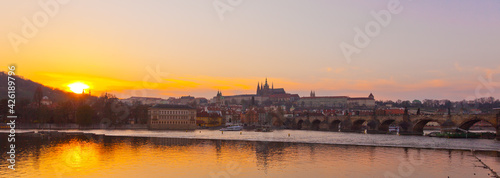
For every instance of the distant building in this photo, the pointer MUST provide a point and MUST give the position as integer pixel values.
(209, 119)
(175, 117)
(184, 100)
(144, 100)
(45, 101)
(314, 101)
(264, 92)
(392, 111)
(287, 97)
(363, 102)
(322, 101)
(250, 117)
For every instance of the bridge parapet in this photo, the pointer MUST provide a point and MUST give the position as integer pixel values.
(412, 124)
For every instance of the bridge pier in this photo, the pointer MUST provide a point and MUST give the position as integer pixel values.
(498, 132)
(498, 123)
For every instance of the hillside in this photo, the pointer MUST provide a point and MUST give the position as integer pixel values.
(25, 89)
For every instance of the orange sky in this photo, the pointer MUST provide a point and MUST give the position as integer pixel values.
(171, 48)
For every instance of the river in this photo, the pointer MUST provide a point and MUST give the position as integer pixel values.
(210, 153)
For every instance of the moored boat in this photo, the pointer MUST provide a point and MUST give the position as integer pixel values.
(232, 128)
(455, 134)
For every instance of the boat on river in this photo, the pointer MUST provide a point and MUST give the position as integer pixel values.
(232, 128)
(455, 133)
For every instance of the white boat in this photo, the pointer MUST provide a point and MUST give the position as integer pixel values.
(232, 128)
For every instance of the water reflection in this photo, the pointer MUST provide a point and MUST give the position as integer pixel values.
(105, 156)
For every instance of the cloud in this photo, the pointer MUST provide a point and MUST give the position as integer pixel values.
(458, 67)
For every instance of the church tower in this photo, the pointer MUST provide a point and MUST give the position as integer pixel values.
(258, 88)
(266, 86)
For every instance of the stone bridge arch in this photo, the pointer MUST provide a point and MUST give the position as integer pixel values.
(299, 124)
(334, 125)
(315, 124)
(466, 124)
(419, 124)
(386, 122)
(371, 123)
(357, 124)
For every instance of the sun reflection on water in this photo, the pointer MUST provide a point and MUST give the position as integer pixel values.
(75, 157)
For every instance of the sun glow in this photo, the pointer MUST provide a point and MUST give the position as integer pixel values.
(78, 87)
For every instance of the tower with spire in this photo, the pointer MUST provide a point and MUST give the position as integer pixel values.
(258, 88)
(219, 99)
(263, 89)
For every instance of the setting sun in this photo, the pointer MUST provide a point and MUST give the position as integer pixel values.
(78, 87)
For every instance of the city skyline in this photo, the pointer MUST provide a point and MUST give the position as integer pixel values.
(429, 50)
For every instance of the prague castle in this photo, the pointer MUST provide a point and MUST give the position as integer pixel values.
(264, 90)
(264, 93)
(269, 93)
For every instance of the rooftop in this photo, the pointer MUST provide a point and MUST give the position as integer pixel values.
(324, 97)
(172, 106)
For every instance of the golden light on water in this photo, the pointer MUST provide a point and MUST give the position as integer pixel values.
(73, 158)
(78, 87)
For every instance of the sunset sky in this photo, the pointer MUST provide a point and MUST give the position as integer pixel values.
(431, 49)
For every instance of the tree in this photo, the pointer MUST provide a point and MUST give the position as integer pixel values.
(65, 112)
(406, 103)
(140, 113)
(108, 107)
(4, 110)
(84, 114)
(38, 96)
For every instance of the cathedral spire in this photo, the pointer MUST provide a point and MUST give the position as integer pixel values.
(258, 88)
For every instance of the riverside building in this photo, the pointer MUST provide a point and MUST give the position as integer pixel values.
(172, 117)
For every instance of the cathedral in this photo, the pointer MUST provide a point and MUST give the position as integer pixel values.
(264, 90)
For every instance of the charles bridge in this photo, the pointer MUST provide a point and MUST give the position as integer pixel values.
(408, 124)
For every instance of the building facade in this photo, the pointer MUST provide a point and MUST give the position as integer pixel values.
(314, 101)
(323, 101)
(172, 117)
(362, 102)
(209, 119)
(264, 93)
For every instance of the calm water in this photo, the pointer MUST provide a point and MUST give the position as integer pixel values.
(152, 154)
